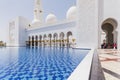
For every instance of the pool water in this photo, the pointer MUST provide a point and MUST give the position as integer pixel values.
(50, 63)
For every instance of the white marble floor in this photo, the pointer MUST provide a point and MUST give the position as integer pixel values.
(110, 61)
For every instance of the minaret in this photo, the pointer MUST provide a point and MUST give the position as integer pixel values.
(38, 12)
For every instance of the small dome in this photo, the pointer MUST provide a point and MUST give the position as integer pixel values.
(35, 23)
(71, 13)
(51, 18)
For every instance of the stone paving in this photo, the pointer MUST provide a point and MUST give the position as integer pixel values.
(110, 62)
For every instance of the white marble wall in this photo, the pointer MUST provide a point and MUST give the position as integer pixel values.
(23, 23)
(87, 24)
(19, 32)
(64, 27)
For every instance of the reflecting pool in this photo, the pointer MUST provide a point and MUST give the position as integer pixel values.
(43, 63)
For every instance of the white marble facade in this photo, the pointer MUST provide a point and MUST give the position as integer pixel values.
(87, 25)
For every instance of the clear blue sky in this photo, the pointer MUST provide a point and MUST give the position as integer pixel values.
(9, 9)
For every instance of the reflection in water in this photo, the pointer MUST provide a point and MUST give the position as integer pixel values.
(8, 56)
(50, 63)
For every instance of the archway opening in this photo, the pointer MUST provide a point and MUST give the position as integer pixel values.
(49, 40)
(69, 38)
(61, 41)
(29, 42)
(109, 34)
(36, 40)
(40, 40)
(32, 40)
(55, 36)
(44, 39)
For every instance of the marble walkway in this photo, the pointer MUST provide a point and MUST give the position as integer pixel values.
(110, 62)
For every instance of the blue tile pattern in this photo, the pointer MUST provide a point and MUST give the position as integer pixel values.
(39, 63)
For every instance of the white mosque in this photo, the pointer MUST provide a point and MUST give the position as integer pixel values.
(87, 25)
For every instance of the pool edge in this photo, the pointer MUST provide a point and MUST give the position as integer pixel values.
(82, 71)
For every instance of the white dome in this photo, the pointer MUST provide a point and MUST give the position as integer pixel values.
(36, 23)
(51, 18)
(71, 13)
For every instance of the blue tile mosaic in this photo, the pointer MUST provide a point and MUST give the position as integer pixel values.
(50, 63)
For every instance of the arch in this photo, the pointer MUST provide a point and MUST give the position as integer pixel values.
(62, 35)
(110, 34)
(44, 36)
(61, 41)
(50, 36)
(55, 36)
(40, 40)
(44, 39)
(29, 41)
(111, 21)
(69, 38)
(29, 38)
(69, 33)
(36, 40)
(32, 40)
(40, 37)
